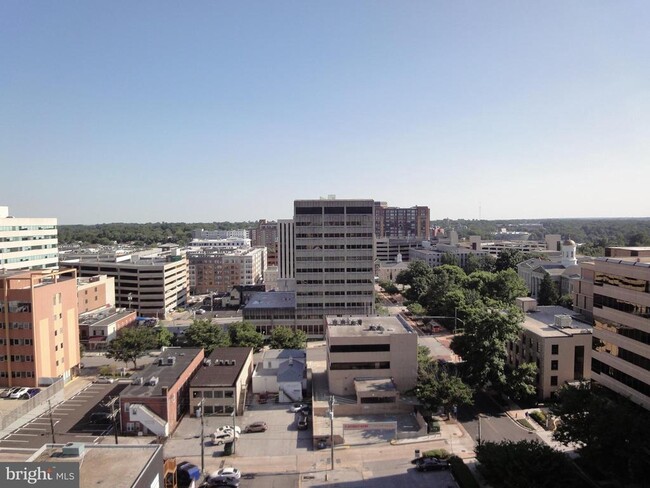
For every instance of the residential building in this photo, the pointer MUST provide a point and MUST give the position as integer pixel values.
(266, 310)
(556, 341)
(39, 332)
(27, 243)
(95, 292)
(413, 222)
(334, 256)
(158, 396)
(152, 284)
(119, 466)
(219, 272)
(621, 316)
(222, 382)
(99, 327)
(226, 244)
(281, 372)
(371, 359)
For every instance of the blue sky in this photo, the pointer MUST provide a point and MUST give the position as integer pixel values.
(145, 111)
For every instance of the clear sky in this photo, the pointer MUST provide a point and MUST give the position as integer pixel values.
(141, 111)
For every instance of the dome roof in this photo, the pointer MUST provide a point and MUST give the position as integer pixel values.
(568, 242)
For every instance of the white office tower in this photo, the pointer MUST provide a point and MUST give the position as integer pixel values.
(334, 254)
(27, 243)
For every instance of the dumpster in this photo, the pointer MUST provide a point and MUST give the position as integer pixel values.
(228, 448)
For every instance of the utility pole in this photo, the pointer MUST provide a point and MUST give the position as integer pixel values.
(331, 416)
(112, 403)
(234, 430)
(202, 436)
(49, 402)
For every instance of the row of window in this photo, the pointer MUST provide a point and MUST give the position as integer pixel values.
(17, 342)
(622, 282)
(621, 353)
(334, 270)
(213, 394)
(634, 383)
(360, 348)
(601, 301)
(354, 366)
(329, 223)
(17, 325)
(17, 374)
(623, 330)
(333, 210)
(364, 305)
(17, 358)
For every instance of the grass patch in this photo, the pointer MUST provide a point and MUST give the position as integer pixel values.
(437, 453)
(525, 423)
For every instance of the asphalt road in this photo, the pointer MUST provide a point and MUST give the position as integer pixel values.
(496, 426)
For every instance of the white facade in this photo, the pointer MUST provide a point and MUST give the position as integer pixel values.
(219, 234)
(27, 243)
(228, 243)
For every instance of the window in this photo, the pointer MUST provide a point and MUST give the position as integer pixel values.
(553, 380)
(555, 349)
(554, 365)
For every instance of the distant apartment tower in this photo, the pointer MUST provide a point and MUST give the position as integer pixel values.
(334, 255)
(621, 314)
(153, 285)
(221, 271)
(219, 234)
(396, 222)
(27, 243)
(266, 234)
(286, 237)
(39, 333)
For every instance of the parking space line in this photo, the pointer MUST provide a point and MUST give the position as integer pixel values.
(13, 440)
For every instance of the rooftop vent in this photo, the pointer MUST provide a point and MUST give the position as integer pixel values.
(73, 449)
(207, 362)
(153, 381)
(161, 361)
(137, 381)
(563, 321)
(171, 360)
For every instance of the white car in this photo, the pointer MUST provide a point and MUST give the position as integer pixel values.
(229, 428)
(224, 474)
(297, 407)
(223, 437)
(18, 393)
(104, 379)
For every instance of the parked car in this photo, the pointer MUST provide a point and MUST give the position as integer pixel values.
(219, 438)
(19, 393)
(431, 464)
(7, 392)
(306, 409)
(186, 473)
(256, 427)
(224, 474)
(229, 428)
(30, 393)
(104, 379)
(303, 422)
(297, 407)
(200, 311)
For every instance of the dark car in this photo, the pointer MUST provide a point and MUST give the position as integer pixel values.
(303, 422)
(256, 427)
(431, 464)
(100, 418)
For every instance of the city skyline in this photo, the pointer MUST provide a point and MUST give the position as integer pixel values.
(213, 111)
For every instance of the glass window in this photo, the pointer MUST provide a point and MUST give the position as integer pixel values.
(554, 365)
(553, 380)
(555, 349)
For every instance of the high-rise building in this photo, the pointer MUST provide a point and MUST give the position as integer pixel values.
(221, 271)
(39, 332)
(27, 243)
(396, 222)
(266, 234)
(286, 237)
(620, 286)
(334, 254)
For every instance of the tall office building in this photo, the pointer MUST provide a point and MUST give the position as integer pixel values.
(334, 254)
(616, 290)
(396, 222)
(286, 262)
(27, 243)
(39, 332)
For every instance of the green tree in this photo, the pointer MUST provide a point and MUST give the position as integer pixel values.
(547, 294)
(416, 277)
(449, 259)
(164, 337)
(566, 301)
(509, 259)
(286, 338)
(389, 287)
(203, 333)
(436, 388)
(521, 381)
(132, 343)
(507, 286)
(416, 309)
(532, 464)
(244, 334)
(482, 344)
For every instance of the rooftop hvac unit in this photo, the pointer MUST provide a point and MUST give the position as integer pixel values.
(372, 327)
(563, 321)
(171, 360)
(161, 361)
(73, 449)
(207, 362)
(137, 381)
(153, 381)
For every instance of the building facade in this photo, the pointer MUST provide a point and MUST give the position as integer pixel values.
(395, 222)
(219, 272)
(265, 234)
(27, 243)
(334, 256)
(39, 332)
(621, 315)
(219, 234)
(266, 310)
(152, 285)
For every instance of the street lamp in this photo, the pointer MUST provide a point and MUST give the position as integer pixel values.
(202, 436)
(330, 414)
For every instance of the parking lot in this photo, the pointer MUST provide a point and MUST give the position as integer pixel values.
(71, 420)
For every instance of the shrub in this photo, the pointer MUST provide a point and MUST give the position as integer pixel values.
(462, 473)
(437, 453)
(539, 417)
(107, 370)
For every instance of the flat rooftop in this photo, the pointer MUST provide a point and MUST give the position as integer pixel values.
(543, 322)
(111, 466)
(167, 374)
(105, 317)
(369, 326)
(222, 367)
(628, 260)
